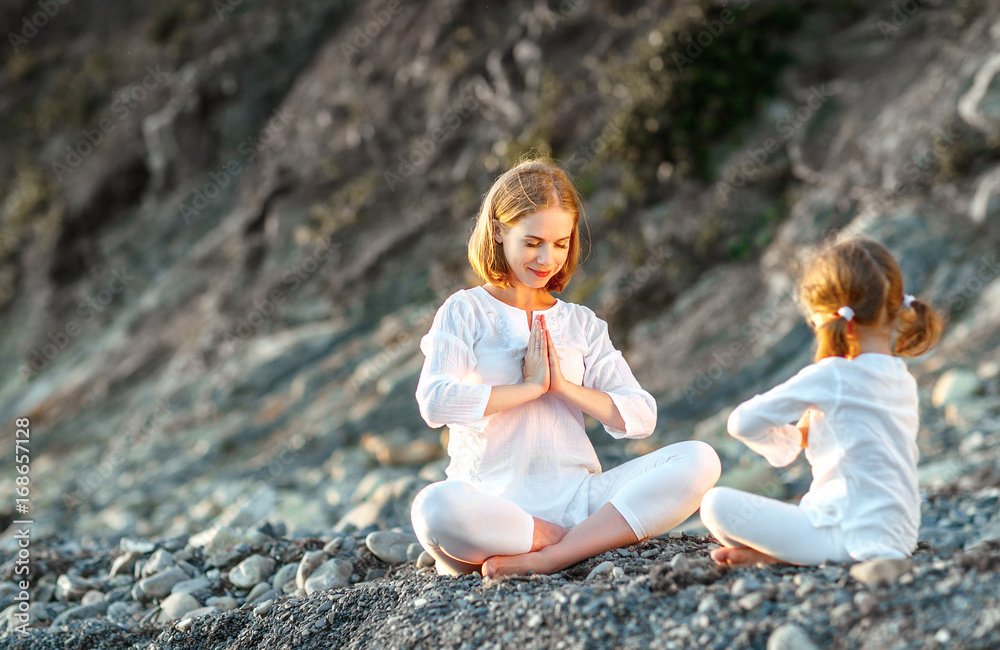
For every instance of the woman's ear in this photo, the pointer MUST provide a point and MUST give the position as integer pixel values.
(496, 231)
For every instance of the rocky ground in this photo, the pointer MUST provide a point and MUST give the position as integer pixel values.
(369, 587)
(662, 593)
(192, 372)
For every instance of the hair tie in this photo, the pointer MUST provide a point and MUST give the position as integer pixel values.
(846, 313)
(908, 300)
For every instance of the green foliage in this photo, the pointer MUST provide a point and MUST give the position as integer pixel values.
(695, 78)
(31, 213)
(172, 21)
(755, 234)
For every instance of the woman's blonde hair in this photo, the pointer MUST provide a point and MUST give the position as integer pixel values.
(529, 187)
(863, 275)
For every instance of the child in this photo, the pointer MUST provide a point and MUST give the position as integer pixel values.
(511, 370)
(856, 408)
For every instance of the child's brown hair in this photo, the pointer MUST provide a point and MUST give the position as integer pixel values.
(863, 275)
(529, 187)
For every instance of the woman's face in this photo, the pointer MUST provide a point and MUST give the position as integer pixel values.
(536, 246)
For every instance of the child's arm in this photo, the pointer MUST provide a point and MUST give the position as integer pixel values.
(803, 427)
(763, 422)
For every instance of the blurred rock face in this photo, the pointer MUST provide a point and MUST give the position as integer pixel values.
(215, 282)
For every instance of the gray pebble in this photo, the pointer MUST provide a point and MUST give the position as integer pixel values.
(789, 636)
(751, 601)
(252, 570)
(881, 570)
(309, 562)
(159, 585)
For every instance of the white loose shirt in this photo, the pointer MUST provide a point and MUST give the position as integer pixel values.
(862, 447)
(536, 455)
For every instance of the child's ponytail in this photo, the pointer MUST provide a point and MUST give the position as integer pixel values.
(859, 281)
(920, 329)
(832, 340)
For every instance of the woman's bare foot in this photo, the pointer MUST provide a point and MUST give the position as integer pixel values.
(516, 565)
(738, 557)
(546, 534)
(603, 530)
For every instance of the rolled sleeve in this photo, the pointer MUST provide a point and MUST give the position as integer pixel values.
(606, 370)
(447, 392)
(763, 422)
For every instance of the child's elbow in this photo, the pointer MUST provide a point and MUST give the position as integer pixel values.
(734, 423)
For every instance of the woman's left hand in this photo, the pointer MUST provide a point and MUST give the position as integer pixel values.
(556, 380)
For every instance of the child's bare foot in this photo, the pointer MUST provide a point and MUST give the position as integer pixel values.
(739, 557)
(512, 565)
(546, 534)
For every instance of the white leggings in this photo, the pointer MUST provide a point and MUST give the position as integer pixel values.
(781, 530)
(461, 526)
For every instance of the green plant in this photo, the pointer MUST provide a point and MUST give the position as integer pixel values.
(689, 91)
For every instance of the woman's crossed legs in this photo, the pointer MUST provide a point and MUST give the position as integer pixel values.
(465, 530)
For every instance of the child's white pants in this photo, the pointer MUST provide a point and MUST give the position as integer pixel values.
(461, 527)
(781, 530)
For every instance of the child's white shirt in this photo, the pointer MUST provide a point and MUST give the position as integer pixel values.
(536, 454)
(861, 445)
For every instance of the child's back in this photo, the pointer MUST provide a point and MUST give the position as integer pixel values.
(861, 445)
(858, 417)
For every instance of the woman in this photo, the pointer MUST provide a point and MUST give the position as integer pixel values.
(512, 369)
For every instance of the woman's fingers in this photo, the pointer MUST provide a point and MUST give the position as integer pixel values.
(536, 362)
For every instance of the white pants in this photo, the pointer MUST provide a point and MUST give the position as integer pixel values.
(781, 530)
(461, 526)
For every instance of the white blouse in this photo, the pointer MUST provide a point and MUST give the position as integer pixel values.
(862, 447)
(537, 454)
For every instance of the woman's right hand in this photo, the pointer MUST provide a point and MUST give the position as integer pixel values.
(536, 358)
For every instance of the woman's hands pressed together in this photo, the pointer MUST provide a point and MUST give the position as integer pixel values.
(541, 361)
(536, 357)
(542, 374)
(557, 382)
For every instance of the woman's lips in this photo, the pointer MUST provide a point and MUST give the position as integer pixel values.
(540, 274)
